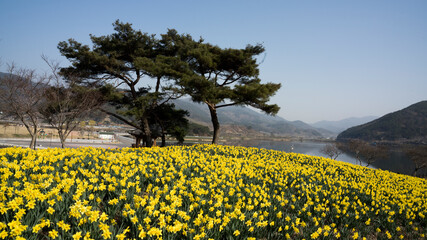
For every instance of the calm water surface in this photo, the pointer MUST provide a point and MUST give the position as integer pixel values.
(397, 161)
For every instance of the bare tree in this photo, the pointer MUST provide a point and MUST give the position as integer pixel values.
(418, 155)
(66, 103)
(365, 152)
(21, 95)
(331, 150)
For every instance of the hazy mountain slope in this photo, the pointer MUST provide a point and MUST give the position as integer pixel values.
(244, 116)
(326, 133)
(408, 124)
(341, 125)
(3, 74)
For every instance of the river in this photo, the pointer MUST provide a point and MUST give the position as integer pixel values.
(397, 161)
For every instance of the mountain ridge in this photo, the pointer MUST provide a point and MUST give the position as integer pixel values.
(406, 125)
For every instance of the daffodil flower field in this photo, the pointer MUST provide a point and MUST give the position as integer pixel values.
(202, 192)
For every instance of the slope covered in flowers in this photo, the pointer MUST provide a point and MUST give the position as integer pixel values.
(202, 192)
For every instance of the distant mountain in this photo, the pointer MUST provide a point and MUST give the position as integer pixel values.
(2, 74)
(244, 116)
(11, 76)
(341, 125)
(408, 124)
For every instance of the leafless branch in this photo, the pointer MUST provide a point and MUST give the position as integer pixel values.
(331, 150)
(418, 155)
(21, 96)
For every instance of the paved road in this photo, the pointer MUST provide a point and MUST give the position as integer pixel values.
(44, 143)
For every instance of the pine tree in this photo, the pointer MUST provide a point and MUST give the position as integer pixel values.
(221, 77)
(116, 64)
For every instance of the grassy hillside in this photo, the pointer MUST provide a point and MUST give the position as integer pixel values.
(202, 192)
(409, 124)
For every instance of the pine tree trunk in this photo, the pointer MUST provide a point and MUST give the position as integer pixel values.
(215, 123)
(163, 139)
(163, 133)
(147, 132)
(137, 142)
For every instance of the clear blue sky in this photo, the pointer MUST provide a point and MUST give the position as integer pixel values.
(335, 59)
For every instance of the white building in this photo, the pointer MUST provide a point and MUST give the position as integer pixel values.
(106, 135)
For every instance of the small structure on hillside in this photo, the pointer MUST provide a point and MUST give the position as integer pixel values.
(106, 135)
